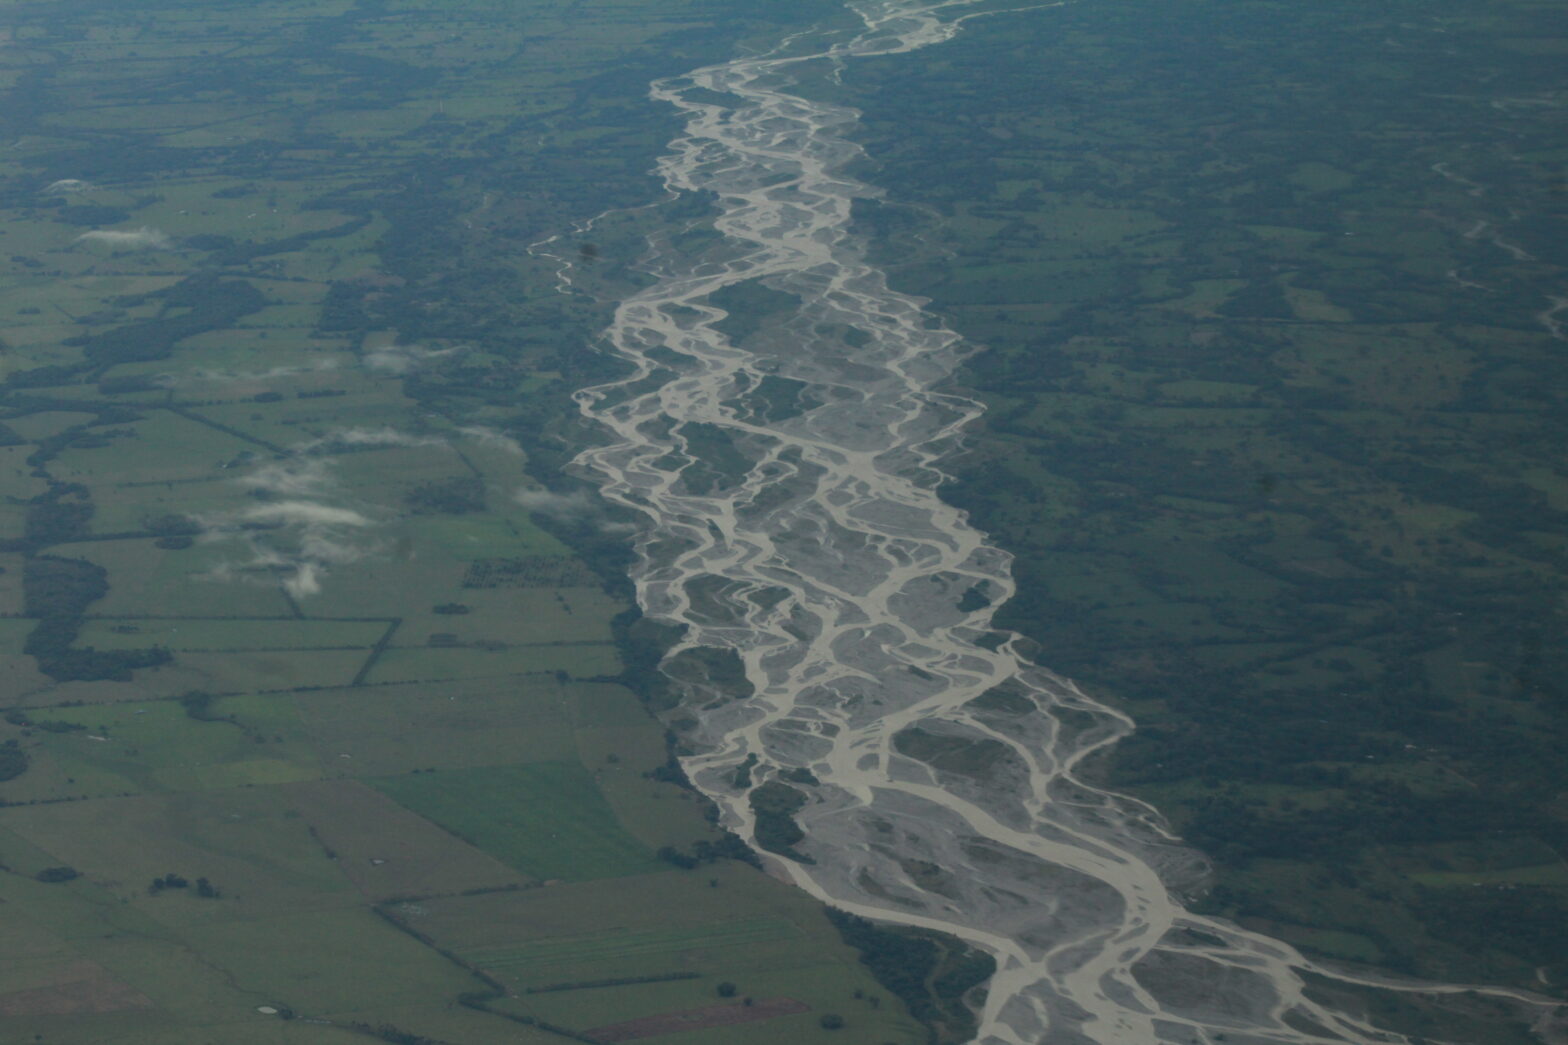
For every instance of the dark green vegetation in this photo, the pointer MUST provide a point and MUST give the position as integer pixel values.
(314, 732)
(57, 592)
(1277, 410)
(775, 805)
(930, 974)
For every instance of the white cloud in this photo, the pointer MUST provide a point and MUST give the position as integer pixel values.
(66, 186)
(401, 359)
(318, 547)
(574, 503)
(237, 376)
(305, 582)
(300, 574)
(291, 479)
(302, 536)
(491, 438)
(386, 436)
(144, 238)
(305, 514)
(297, 539)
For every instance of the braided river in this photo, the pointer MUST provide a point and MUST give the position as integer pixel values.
(788, 482)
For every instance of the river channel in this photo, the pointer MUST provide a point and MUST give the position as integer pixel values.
(789, 478)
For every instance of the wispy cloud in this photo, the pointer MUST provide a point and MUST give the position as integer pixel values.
(244, 376)
(290, 479)
(576, 507)
(293, 541)
(346, 438)
(65, 186)
(304, 514)
(318, 547)
(305, 581)
(403, 359)
(300, 577)
(491, 438)
(144, 238)
(300, 530)
(353, 438)
(547, 503)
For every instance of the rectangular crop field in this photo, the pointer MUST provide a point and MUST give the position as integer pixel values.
(386, 729)
(619, 945)
(197, 634)
(547, 819)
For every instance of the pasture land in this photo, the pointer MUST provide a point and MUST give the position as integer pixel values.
(535, 941)
(205, 581)
(384, 729)
(547, 819)
(254, 848)
(387, 851)
(276, 627)
(149, 746)
(586, 660)
(206, 635)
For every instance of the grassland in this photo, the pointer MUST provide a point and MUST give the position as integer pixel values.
(537, 941)
(546, 819)
(295, 685)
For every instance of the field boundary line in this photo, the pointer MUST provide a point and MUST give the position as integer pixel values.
(375, 652)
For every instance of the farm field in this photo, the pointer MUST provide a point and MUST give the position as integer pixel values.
(550, 947)
(315, 662)
(546, 819)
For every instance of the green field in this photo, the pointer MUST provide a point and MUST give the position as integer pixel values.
(206, 635)
(138, 746)
(377, 730)
(586, 932)
(546, 819)
(274, 364)
(587, 950)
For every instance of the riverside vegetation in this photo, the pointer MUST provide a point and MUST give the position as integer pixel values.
(1269, 299)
